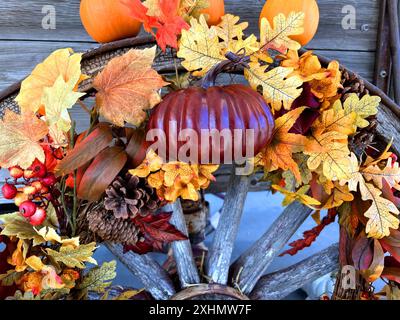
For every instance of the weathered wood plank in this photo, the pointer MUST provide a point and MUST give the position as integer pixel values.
(253, 263)
(23, 20)
(18, 58)
(278, 285)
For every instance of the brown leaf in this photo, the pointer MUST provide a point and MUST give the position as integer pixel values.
(136, 149)
(128, 86)
(86, 150)
(103, 170)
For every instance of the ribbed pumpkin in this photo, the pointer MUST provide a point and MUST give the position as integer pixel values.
(230, 107)
(108, 20)
(310, 7)
(215, 11)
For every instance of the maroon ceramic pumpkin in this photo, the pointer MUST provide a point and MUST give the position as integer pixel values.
(217, 107)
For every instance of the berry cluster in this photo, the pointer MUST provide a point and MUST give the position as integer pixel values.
(31, 190)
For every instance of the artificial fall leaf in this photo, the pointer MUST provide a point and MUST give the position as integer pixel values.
(10, 278)
(279, 153)
(57, 100)
(177, 172)
(328, 86)
(330, 150)
(277, 88)
(128, 86)
(300, 196)
(19, 139)
(380, 214)
(50, 235)
(152, 163)
(390, 173)
(99, 278)
(64, 63)
(291, 183)
(348, 218)
(18, 258)
(337, 196)
(365, 107)
(161, 15)
(307, 67)
(231, 32)
(200, 47)
(278, 35)
(74, 257)
(335, 119)
(192, 8)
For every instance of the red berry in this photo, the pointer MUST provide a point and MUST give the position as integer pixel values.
(9, 191)
(16, 172)
(38, 217)
(49, 180)
(36, 170)
(37, 185)
(27, 209)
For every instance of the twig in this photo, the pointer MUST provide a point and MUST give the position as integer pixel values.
(84, 107)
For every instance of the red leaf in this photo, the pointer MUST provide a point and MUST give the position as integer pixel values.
(136, 148)
(363, 253)
(392, 244)
(169, 24)
(86, 150)
(392, 269)
(102, 171)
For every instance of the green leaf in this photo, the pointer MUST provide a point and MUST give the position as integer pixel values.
(15, 225)
(8, 279)
(99, 278)
(74, 257)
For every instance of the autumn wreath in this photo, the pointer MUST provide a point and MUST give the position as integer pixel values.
(314, 128)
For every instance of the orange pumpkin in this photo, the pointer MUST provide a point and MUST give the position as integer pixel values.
(108, 20)
(310, 7)
(215, 11)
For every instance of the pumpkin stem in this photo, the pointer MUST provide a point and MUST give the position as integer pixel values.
(234, 60)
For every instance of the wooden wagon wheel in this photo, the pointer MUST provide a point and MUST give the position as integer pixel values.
(244, 278)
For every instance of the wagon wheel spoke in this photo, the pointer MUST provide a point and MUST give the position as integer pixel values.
(151, 274)
(182, 250)
(219, 257)
(252, 264)
(280, 284)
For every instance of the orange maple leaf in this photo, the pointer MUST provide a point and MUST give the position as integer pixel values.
(19, 139)
(128, 86)
(279, 153)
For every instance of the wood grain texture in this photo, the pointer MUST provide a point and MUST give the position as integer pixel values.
(150, 273)
(253, 263)
(219, 257)
(278, 285)
(23, 21)
(182, 250)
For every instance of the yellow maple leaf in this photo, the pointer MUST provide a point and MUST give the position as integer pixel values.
(335, 119)
(279, 153)
(19, 139)
(200, 47)
(330, 150)
(277, 88)
(57, 100)
(64, 63)
(50, 235)
(300, 196)
(278, 35)
(128, 86)
(364, 107)
(381, 214)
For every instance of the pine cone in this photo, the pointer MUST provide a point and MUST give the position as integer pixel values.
(352, 84)
(130, 195)
(106, 226)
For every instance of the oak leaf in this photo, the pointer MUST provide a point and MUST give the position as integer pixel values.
(279, 153)
(192, 8)
(390, 173)
(365, 107)
(128, 86)
(328, 86)
(381, 214)
(278, 35)
(57, 100)
(61, 63)
(337, 196)
(330, 150)
(19, 139)
(200, 47)
(277, 87)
